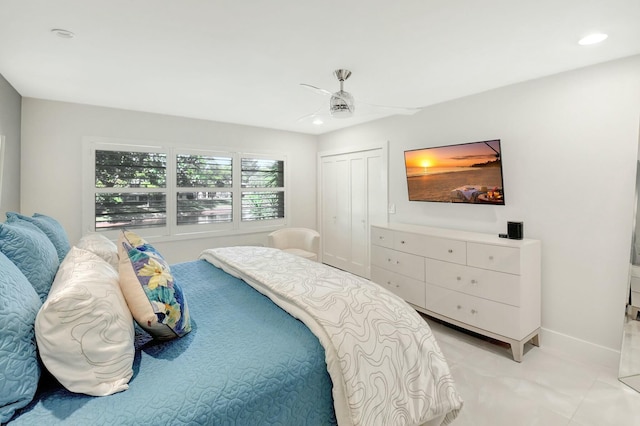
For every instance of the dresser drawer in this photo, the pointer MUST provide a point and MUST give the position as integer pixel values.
(382, 237)
(481, 313)
(496, 258)
(409, 243)
(444, 249)
(406, 264)
(489, 285)
(407, 288)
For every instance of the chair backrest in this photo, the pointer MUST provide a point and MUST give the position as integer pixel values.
(300, 238)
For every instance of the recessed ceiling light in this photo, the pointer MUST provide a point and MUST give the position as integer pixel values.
(63, 33)
(317, 122)
(592, 39)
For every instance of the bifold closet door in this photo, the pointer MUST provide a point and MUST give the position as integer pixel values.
(353, 194)
(335, 236)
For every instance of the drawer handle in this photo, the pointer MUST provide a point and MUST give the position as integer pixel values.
(402, 242)
(389, 260)
(458, 278)
(459, 307)
(397, 262)
(381, 238)
(490, 257)
(450, 251)
(474, 282)
(389, 282)
(397, 285)
(473, 311)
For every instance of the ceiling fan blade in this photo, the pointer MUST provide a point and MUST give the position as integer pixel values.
(392, 109)
(316, 89)
(308, 117)
(314, 115)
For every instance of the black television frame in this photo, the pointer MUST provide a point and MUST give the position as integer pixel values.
(459, 190)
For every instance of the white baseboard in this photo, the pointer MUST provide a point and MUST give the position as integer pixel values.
(580, 350)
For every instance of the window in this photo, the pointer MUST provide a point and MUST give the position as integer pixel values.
(210, 197)
(265, 199)
(170, 191)
(130, 189)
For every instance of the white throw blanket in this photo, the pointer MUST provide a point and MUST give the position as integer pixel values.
(385, 364)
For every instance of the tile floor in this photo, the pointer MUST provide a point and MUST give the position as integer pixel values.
(548, 388)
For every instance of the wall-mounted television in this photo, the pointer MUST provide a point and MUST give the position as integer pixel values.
(463, 173)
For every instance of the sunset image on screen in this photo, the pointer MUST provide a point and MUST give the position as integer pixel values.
(466, 173)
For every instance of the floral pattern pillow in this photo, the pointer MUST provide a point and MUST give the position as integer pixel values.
(155, 299)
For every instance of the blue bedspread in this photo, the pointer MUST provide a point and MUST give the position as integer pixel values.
(246, 362)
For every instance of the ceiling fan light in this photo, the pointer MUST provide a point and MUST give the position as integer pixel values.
(341, 105)
(339, 111)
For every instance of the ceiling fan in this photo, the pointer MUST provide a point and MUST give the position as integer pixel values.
(342, 103)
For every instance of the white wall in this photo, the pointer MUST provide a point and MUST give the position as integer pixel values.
(569, 143)
(569, 149)
(52, 136)
(10, 104)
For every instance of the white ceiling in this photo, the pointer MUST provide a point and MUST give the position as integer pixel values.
(242, 61)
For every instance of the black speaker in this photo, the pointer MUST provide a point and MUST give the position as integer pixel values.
(515, 230)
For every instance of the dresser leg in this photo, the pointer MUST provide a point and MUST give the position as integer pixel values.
(535, 341)
(517, 348)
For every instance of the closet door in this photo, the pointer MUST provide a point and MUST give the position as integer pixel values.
(377, 195)
(335, 212)
(359, 259)
(353, 194)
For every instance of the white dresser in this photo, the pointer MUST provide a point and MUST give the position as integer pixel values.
(480, 282)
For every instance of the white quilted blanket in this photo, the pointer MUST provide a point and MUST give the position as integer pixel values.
(385, 364)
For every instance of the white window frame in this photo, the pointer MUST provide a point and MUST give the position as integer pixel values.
(238, 199)
(172, 231)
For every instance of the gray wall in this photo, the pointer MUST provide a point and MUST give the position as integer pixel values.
(10, 110)
(569, 145)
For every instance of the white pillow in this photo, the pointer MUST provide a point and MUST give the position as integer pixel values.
(100, 245)
(84, 329)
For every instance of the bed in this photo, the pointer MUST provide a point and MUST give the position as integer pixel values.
(247, 361)
(237, 366)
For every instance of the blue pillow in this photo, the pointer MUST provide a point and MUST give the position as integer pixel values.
(19, 368)
(31, 251)
(52, 229)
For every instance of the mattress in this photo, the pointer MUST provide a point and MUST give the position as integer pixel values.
(246, 362)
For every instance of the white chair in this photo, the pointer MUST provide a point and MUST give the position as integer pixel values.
(302, 242)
